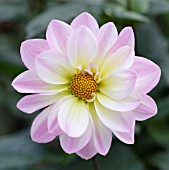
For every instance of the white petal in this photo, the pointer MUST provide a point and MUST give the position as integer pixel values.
(73, 117)
(102, 134)
(118, 85)
(116, 121)
(122, 105)
(122, 59)
(81, 47)
(72, 145)
(106, 38)
(29, 82)
(32, 103)
(88, 151)
(53, 67)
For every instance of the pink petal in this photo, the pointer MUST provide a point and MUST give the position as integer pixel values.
(122, 105)
(148, 74)
(102, 135)
(122, 59)
(106, 37)
(32, 103)
(39, 130)
(88, 151)
(53, 125)
(127, 137)
(125, 38)
(119, 85)
(53, 68)
(73, 117)
(72, 145)
(81, 49)
(146, 109)
(116, 121)
(57, 35)
(29, 82)
(87, 20)
(30, 49)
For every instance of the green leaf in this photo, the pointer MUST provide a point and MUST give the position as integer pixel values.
(121, 157)
(18, 151)
(10, 10)
(9, 54)
(158, 7)
(140, 6)
(159, 131)
(61, 12)
(163, 108)
(120, 12)
(160, 160)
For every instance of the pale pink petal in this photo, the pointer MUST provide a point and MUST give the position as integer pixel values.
(118, 85)
(102, 134)
(53, 125)
(81, 49)
(53, 68)
(29, 82)
(39, 130)
(87, 20)
(106, 38)
(57, 35)
(32, 103)
(146, 109)
(73, 117)
(88, 151)
(72, 145)
(122, 105)
(125, 38)
(116, 121)
(122, 59)
(30, 49)
(126, 137)
(148, 74)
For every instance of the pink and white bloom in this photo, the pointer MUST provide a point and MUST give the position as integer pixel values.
(90, 83)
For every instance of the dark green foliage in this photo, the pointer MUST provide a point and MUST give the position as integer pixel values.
(22, 19)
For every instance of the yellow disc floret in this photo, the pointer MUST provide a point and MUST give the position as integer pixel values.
(83, 85)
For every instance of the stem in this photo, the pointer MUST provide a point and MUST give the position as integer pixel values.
(95, 165)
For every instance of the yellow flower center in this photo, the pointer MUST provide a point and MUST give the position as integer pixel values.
(83, 85)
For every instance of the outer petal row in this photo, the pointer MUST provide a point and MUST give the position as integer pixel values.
(39, 129)
(57, 35)
(29, 82)
(148, 74)
(87, 20)
(30, 49)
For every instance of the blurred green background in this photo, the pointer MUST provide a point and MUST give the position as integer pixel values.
(23, 19)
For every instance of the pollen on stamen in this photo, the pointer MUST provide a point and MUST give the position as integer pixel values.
(83, 85)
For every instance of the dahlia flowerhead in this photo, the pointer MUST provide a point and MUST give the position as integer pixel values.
(90, 83)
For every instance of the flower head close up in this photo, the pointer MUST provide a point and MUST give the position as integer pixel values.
(90, 82)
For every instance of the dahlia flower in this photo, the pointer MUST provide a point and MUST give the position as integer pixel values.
(90, 83)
